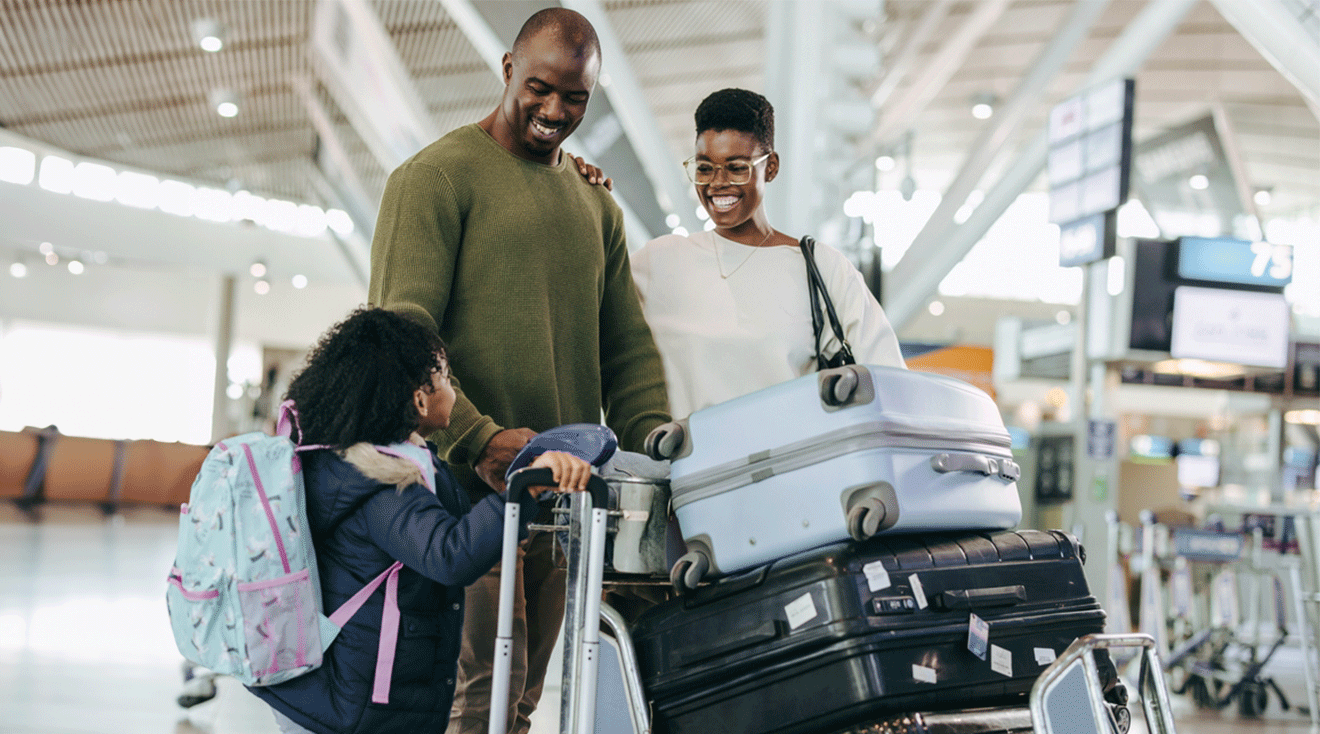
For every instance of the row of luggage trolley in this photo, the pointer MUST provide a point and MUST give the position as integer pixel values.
(1221, 600)
(852, 584)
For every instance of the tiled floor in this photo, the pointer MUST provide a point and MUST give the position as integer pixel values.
(85, 646)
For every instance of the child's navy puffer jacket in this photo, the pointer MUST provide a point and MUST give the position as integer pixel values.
(361, 523)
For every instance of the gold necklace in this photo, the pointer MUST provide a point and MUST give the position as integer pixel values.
(719, 259)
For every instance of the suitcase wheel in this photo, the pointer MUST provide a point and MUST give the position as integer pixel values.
(688, 571)
(864, 518)
(838, 389)
(664, 441)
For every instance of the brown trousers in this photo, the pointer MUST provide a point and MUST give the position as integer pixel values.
(538, 612)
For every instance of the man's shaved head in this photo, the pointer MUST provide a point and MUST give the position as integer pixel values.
(568, 26)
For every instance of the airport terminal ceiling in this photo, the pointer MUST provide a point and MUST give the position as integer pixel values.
(127, 82)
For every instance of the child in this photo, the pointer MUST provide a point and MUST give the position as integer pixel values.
(380, 378)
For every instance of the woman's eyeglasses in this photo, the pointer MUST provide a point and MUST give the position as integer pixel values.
(737, 173)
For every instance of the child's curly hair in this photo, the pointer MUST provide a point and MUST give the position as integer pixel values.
(359, 379)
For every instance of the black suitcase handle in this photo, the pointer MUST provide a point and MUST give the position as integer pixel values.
(995, 596)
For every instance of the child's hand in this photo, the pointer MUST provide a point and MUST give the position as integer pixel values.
(570, 472)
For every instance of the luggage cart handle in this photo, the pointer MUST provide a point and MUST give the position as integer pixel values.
(543, 477)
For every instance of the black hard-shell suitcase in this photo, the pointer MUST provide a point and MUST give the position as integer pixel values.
(833, 636)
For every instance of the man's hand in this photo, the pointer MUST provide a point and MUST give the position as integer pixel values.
(499, 453)
(592, 174)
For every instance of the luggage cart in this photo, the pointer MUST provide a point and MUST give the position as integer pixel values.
(585, 615)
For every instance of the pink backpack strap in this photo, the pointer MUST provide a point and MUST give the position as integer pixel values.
(389, 638)
(389, 626)
(287, 420)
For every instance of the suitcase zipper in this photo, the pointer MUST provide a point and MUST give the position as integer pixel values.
(860, 437)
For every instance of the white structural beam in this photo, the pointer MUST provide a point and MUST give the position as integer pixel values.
(994, 137)
(792, 73)
(1228, 138)
(895, 121)
(357, 61)
(914, 284)
(626, 96)
(936, 11)
(1277, 33)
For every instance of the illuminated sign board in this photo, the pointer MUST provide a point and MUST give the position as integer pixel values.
(1223, 325)
(1232, 261)
(1090, 154)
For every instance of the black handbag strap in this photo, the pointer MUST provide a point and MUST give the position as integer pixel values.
(817, 292)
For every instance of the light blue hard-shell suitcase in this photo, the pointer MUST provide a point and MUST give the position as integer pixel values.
(846, 452)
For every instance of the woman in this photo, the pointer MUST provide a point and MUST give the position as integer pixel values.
(729, 307)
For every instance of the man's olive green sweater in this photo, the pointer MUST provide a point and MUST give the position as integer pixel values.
(523, 269)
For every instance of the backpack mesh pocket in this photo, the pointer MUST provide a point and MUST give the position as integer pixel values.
(280, 627)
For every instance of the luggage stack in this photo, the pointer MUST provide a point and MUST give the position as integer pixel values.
(852, 526)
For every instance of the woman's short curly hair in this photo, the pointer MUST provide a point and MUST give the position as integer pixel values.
(359, 379)
(741, 110)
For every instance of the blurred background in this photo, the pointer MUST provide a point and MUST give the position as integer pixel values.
(1051, 198)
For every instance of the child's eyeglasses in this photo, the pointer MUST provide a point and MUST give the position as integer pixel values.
(737, 173)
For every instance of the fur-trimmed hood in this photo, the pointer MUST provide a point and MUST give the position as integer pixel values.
(382, 467)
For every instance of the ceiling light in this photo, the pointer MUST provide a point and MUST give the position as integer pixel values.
(52, 259)
(1199, 181)
(261, 287)
(224, 102)
(209, 34)
(673, 220)
(56, 174)
(1263, 197)
(1063, 317)
(45, 248)
(339, 221)
(885, 163)
(1198, 368)
(17, 165)
(299, 281)
(94, 181)
(258, 269)
(1299, 417)
(138, 190)
(76, 267)
(936, 308)
(983, 105)
(702, 214)
(18, 270)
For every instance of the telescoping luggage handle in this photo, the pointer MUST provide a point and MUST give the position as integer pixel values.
(583, 689)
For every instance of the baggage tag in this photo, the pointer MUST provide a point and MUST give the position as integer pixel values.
(918, 592)
(1044, 655)
(800, 611)
(1001, 661)
(978, 636)
(877, 577)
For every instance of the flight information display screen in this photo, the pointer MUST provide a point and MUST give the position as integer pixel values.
(1233, 261)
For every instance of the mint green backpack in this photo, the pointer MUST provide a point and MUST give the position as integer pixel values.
(244, 594)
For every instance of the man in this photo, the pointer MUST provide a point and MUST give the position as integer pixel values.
(491, 234)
